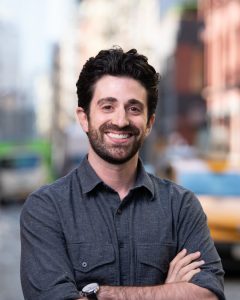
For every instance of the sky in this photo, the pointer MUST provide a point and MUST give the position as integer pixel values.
(39, 25)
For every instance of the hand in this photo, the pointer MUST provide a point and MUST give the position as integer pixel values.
(183, 267)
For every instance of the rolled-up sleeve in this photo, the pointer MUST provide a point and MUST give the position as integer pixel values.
(194, 235)
(46, 271)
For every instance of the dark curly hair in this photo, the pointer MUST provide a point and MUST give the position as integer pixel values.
(116, 62)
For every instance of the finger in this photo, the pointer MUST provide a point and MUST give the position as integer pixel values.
(180, 255)
(183, 262)
(171, 276)
(188, 259)
(183, 253)
(177, 258)
(190, 267)
(190, 275)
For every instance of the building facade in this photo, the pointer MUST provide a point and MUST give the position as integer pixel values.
(182, 107)
(222, 75)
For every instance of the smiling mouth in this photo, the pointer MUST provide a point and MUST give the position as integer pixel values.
(120, 136)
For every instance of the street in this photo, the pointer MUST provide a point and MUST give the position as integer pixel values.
(10, 288)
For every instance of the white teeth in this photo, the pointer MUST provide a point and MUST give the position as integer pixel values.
(118, 136)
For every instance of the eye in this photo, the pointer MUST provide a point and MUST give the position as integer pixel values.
(107, 108)
(135, 109)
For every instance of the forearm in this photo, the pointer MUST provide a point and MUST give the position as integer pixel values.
(171, 291)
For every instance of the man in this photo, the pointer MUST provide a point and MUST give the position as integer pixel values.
(108, 230)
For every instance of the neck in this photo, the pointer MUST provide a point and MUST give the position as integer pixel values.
(119, 177)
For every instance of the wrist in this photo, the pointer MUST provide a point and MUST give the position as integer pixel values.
(112, 293)
(104, 293)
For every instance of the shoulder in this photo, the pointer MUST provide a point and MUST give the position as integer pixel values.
(167, 185)
(52, 194)
(58, 187)
(173, 194)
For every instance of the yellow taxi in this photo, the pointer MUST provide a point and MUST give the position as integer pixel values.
(218, 189)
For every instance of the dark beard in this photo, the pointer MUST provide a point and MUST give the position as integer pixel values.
(113, 154)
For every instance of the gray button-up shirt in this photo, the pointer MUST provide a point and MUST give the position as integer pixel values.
(77, 231)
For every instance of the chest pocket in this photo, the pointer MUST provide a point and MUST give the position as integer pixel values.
(92, 263)
(152, 263)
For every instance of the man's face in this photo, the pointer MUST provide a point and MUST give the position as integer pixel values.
(118, 121)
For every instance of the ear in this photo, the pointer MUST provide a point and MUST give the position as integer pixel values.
(82, 118)
(150, 124)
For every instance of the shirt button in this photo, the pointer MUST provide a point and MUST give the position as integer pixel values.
(119, 211)
(84, 264)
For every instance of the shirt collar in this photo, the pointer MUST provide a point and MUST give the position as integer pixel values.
(87, 176)
(143, 180)
(89, 179)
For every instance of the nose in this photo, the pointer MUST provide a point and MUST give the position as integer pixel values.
(120, 118)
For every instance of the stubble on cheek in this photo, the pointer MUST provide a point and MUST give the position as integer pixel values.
(115, 153)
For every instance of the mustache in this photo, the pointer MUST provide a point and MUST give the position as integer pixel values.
(132, 129)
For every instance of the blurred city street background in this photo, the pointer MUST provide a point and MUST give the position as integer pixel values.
(194, 44)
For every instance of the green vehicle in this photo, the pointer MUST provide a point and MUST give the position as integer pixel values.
(24, 167)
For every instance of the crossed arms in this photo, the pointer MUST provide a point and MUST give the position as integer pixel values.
(182, 268)
(47, 270)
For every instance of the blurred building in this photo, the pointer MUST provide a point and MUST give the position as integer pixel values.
(16, 119)
(16, 115)
(188, 56)
(64, 99)
(222, 74)
(129, 24)
(182, 108)
(9, 56)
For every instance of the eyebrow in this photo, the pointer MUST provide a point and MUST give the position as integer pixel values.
(114, 100)
(106, 100)
(136, 102)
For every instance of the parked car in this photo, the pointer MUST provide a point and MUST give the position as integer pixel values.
(218, 189)
(20, 174)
